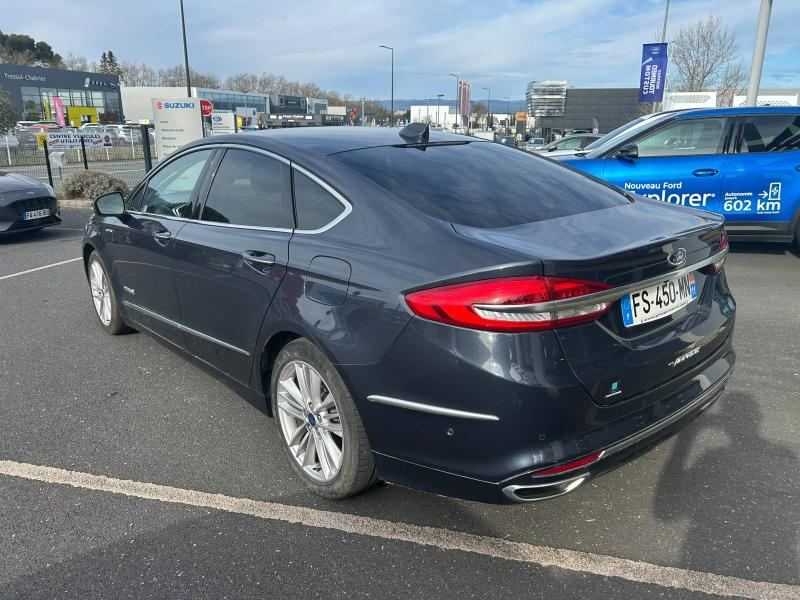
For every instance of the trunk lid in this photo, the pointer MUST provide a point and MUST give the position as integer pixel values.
(622, 246)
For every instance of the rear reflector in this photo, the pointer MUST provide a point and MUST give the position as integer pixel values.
(509, 304)
(570, 466)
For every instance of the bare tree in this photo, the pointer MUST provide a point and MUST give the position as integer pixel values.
(138, 74)
(176, 77)
(705, 55)
(73, 62)
(242, 82)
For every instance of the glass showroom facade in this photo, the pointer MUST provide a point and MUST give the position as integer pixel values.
(224, 100)
(85, 97)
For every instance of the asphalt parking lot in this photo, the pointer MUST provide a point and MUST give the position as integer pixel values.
(127, 472)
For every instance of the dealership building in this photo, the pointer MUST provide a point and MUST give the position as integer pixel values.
(38, 94)
(271, 110)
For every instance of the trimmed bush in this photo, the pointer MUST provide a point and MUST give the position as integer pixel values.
(91, 184)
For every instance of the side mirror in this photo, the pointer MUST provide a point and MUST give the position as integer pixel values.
(629, 152)
(109, 205)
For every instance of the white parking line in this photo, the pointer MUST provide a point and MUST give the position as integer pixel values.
(57, 264)
(445, 539)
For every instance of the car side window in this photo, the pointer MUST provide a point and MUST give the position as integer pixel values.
(134, 201)
(169, 191)
(770, 133)
(570, 144)
(316, 206)
(248, 189)
(684, 137)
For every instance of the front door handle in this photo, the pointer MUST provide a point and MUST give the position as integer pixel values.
(255, 258)
(705, 172)
(162, 235)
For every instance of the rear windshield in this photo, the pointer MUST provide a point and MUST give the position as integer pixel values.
(480, 184)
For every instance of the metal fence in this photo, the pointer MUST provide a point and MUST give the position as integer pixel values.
(124, 159)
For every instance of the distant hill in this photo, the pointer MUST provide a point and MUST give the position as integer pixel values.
(498, 106)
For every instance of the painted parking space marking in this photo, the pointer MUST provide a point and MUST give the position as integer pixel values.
(445, 539)
(56, 264)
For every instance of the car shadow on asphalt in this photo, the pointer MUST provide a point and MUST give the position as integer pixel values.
(740, 498)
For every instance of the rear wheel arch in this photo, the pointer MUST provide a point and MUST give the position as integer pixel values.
(272, 348)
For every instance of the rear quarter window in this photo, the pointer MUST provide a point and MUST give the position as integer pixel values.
(480, 184)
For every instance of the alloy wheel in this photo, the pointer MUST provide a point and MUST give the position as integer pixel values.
(310, 421)
(100, 292)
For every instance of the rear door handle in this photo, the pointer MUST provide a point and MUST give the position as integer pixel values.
(705, 172)
(254, 257)
(162, 235)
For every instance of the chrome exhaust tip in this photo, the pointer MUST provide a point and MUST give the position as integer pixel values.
(543, 491)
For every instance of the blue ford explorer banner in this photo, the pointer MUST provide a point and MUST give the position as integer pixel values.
(654, 70)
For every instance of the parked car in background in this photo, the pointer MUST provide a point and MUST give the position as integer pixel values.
(507, 140)
(535, 143)
(569, 144)
(26, 204)
(741, 162)
(424, 308)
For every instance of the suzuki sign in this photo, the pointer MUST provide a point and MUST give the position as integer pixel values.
(177, 122)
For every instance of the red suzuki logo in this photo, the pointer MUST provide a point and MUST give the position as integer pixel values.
(159, 105)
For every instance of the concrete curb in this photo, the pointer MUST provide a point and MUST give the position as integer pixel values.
(75, 203)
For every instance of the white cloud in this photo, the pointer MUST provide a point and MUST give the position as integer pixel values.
(500, 44)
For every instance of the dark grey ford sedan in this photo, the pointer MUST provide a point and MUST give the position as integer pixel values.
(426, 309)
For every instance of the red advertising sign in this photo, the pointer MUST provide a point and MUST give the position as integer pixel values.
(206, 108)
(58, 105)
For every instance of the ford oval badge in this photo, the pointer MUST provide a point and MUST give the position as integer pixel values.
(677, 258)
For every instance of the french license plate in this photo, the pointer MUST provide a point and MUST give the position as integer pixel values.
(657, 301)
(36, 214)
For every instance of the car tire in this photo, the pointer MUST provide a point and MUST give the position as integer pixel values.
(104, 299)
(328, 416)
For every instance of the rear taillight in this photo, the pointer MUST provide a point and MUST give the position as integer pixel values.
(716, 267)
(510, 304)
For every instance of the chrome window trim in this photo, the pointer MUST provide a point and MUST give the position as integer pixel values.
(184, 328)
(255, 150)
(431, 408)
(604, 296)
(348, 208)
(234, 226)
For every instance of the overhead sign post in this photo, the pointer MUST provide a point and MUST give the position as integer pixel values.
(653, 72)
(177, 122)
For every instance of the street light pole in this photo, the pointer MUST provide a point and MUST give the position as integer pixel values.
(458, 116)
(438, 99)
(508, 112)
(186, 55)
(488, 107)
(391, 118)
(758, 52)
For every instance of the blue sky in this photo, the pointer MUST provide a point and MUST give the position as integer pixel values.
(501, 44)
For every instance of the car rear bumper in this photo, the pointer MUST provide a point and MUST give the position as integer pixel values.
(619, 442)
